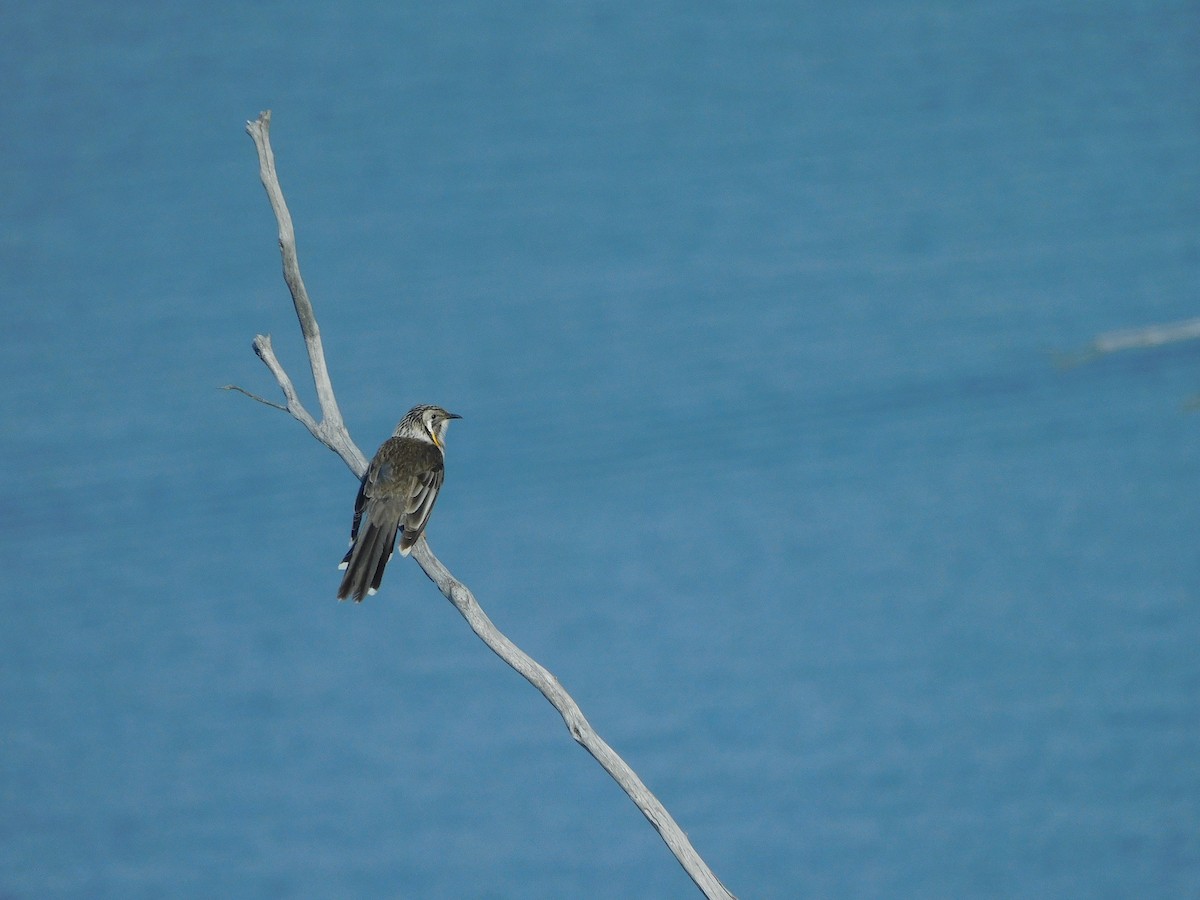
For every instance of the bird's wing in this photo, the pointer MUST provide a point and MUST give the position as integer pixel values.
(420, 502)
(421, 493)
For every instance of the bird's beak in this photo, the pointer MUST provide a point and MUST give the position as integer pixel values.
(453, 416)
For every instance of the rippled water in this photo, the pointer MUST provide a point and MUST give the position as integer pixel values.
(752, 315)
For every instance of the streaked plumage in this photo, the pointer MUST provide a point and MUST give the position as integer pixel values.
(396, 496)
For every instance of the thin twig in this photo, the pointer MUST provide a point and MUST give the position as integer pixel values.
(263, 400)
(331, 431)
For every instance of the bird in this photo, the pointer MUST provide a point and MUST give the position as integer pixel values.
(396, 496)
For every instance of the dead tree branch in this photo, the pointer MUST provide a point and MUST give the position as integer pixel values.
(331, 431)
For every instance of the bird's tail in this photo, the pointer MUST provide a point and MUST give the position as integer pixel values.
(365, 561)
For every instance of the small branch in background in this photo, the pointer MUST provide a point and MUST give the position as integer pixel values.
(331, 431)
(1134, 339)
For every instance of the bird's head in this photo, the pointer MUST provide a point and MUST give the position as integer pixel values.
(426, 423)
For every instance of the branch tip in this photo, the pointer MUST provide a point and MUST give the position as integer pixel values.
(263, 122)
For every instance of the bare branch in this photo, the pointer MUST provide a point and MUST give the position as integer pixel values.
(332, 433)
(260, 131)
(331, 430)
(579, 727)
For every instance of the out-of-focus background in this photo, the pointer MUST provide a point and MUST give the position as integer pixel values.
(752, 313)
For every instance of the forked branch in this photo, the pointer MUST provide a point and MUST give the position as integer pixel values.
(331, 431)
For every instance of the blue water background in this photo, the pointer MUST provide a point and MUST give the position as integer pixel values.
(751, 312)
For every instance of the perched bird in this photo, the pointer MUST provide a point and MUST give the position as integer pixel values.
(397, 494)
